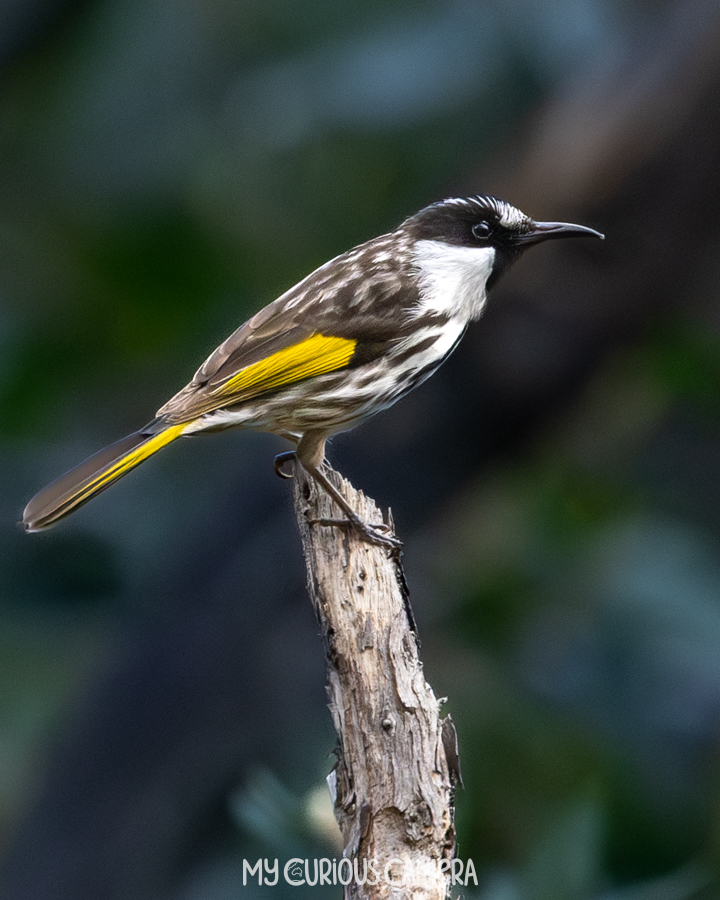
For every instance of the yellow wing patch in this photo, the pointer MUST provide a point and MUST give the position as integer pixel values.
(315, 355)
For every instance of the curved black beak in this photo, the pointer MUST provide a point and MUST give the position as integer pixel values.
(546, 231)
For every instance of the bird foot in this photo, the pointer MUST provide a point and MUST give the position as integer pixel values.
(375, 534)
(281, 461)
(285, 465)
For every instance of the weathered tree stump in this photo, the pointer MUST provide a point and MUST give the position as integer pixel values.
(392, 785)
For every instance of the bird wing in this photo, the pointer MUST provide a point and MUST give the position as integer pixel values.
(332, 317)
(288, 359)
(274, 349)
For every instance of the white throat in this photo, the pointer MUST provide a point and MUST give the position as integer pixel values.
(452, 279)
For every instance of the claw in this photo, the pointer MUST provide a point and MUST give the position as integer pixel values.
(372, 533)
(281, 460)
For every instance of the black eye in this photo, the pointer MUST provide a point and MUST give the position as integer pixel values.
(481, 230)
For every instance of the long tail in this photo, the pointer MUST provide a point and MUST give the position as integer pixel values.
(98, 472)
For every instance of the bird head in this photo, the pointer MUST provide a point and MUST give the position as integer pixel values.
(462, 246)
(493, 227)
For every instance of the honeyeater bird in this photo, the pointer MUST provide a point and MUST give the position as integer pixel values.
(347, 341)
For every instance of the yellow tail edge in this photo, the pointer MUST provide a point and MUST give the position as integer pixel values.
(92, 476)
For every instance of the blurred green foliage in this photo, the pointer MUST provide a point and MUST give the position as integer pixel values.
(167, 169)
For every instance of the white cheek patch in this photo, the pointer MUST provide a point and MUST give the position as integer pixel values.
(452, 279)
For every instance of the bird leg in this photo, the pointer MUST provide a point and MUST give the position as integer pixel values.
(310, 454)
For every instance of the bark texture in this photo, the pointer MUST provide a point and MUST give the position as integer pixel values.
(392, 784)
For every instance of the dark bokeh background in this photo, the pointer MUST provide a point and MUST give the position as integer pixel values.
(168, 167)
